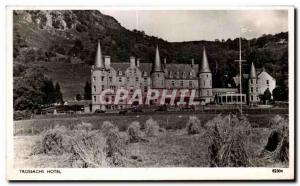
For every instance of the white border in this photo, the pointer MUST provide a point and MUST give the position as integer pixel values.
(149, 173)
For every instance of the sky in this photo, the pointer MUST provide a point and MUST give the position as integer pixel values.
(191, 25)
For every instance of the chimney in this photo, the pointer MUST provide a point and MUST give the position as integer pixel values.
(193, 62)
(132, 61)
(138, 62)
(107, 61)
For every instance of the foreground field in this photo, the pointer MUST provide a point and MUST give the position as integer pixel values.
(172, 148)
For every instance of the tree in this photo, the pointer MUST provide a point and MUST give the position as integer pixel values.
(280, 94)
(58, 94)
(78, 97)
(87, 91)
(266, 97)
(32, 89)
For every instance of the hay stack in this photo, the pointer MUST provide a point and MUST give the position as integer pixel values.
(115, 145)
(193, 125)
(107, 127)
(281, 154)
(88, 150)
(134, 133)
(227, 141)
(215, 142)
(151, 128)
(278, 141)
(84, 126)
(54, 141)
(233, 153)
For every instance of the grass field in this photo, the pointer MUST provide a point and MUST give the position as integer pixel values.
(168, 121)
(174, 148)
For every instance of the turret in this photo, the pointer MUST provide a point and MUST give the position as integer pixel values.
(205, 80)
(99, 78)
(204, 67)
(99, 59)
(157, 75)
(253, 88)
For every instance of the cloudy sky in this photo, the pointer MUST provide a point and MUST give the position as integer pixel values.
(188, 25)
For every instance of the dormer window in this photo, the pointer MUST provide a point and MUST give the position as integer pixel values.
(183, 75)
(120, 72)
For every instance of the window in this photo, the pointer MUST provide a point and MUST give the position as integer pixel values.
(102, 78)
(120, 79)
(251, 89)
(207, 75)
(94, 88)
(157, 75)
(145, 79)
(102, 87)
(190, 83)
(94, 78)
(173, 83)
(204, 83)
(181, 83)
(145, 88)
(136, 79)
(110, 79)
(251, 98)
(251, 81)
(95, 99)
(134, 71)
(267, 82)
(208, 92)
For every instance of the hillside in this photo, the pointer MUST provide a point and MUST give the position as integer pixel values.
(64, 42)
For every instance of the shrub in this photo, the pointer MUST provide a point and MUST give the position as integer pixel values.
(151, 128)
(193, 125)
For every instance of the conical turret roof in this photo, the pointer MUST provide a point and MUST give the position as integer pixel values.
(157, 64)
(99, 59)
(252, 72)
(204, 66)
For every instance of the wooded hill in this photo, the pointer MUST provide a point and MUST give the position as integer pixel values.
(63, 43)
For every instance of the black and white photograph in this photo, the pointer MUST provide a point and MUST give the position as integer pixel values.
(107, 89)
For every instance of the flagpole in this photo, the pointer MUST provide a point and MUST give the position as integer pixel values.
(240, 60)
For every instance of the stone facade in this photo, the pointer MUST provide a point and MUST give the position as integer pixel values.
(145, 76)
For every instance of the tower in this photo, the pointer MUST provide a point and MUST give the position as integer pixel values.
(157, 74)
(253, 87)
(98, 79)
(205, 80)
